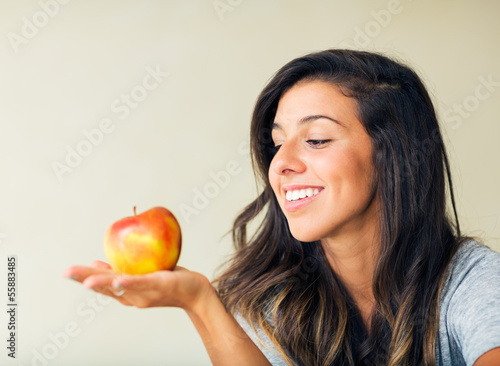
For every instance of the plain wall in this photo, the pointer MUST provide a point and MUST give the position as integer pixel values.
(64, 71)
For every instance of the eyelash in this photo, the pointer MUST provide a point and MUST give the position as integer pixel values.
(313, 143)
(317, 143)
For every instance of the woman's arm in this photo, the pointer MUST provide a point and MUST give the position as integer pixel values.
(226, 342)
(490, 358)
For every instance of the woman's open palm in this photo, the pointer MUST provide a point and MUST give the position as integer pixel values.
(178, 288)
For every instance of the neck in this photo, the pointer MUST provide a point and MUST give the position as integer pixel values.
(353, 258)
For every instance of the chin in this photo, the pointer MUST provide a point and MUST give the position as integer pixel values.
(305, 235)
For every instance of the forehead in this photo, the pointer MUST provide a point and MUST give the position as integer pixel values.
(313, 98)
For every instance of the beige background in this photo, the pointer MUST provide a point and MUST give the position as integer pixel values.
(70, 72)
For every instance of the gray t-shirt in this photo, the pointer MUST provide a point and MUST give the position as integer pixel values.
(469, 322)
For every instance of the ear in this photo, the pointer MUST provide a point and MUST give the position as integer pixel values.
(492, 357)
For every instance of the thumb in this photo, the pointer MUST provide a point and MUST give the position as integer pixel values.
(100, 265)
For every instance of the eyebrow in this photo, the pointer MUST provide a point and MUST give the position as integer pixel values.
(309, 119)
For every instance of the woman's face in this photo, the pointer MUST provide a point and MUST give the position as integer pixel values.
(322, 174)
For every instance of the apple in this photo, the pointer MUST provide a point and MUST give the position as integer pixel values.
(144, 243)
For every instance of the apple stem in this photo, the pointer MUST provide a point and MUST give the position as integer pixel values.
(134, 212)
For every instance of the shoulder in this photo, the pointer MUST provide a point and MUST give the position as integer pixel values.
(470, 303)
(475, 268)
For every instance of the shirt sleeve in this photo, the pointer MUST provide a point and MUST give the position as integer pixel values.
(473, 317)
(262, 341)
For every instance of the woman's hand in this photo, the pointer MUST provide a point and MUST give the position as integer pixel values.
(178, 288)
(226, 342)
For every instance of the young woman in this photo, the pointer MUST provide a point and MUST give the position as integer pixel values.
(355, 261)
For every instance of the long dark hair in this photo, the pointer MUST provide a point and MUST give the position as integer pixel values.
(287, 287)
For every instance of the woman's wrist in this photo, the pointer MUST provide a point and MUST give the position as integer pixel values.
(224, 339)
(205, 298)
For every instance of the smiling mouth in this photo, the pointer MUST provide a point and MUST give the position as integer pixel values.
(298, 194)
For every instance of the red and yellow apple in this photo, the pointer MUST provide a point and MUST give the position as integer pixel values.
(144, 243)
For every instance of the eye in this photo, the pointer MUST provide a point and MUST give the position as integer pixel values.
(318, 143)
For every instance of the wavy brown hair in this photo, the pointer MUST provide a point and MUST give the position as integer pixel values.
(287, 287)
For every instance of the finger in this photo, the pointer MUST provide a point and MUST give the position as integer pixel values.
(180, 269)
(100, 264)
(156, 280)
(80, 273)
(107, 292)
(99, 280)
(71, 272)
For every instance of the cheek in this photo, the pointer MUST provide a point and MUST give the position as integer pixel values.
(362, 170)
(362, 180)
(347, 170)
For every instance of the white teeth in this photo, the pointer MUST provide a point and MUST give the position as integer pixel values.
(301, 193)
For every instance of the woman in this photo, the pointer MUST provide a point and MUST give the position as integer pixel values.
(355, 261)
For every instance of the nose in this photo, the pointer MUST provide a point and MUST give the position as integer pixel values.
(287, 160)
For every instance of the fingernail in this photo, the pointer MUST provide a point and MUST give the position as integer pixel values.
(117, 286)
(72, 277)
